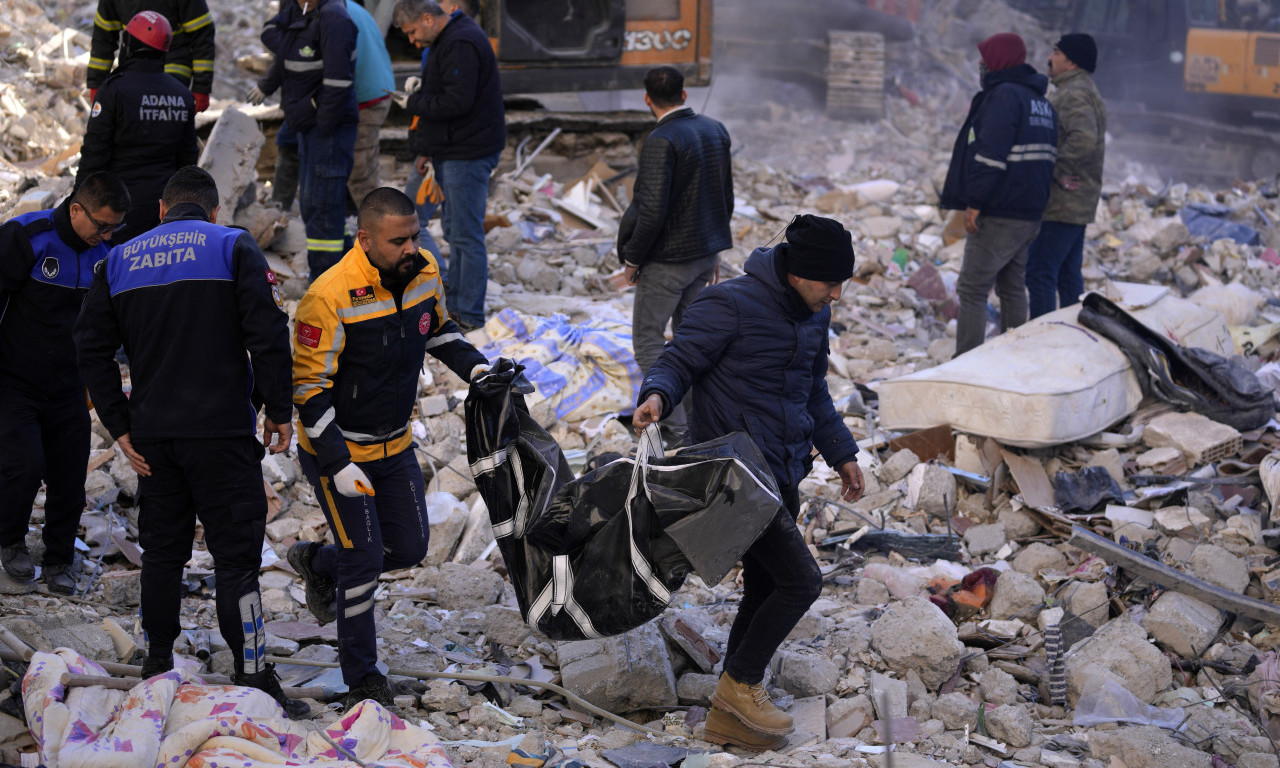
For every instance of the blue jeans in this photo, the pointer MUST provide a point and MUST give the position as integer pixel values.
(465, 184)
(372, 535)
(325, 164)
(1054, 265)
(425, 212)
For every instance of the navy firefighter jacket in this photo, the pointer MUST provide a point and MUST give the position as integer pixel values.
(192, 302)
(45, 272)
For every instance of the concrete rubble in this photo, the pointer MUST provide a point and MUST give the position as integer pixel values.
(949, 662)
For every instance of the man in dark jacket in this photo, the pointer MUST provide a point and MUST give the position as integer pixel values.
(203, 323)
(190, 55)
(461, 131)
(1001, 168)
(314, 42)
(1056, 258)
(142, 127)
(46, 264)
(678, 220)
(754, 350)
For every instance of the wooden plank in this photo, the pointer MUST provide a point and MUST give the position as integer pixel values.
(1176, 580)
(1033, 481)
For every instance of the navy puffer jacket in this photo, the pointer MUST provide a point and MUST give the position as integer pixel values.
(757, 362)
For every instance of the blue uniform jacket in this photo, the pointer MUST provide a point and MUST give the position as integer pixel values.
(757, 362)
(45, 272)
(374, 76)
(1002, 162)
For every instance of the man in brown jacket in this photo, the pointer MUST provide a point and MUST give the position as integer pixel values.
(1055, 258)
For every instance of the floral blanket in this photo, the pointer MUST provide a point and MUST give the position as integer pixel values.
(176, 721)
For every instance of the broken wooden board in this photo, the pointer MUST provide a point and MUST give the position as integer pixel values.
(1033, 481)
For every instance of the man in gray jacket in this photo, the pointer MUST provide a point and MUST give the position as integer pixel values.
(1054, 260)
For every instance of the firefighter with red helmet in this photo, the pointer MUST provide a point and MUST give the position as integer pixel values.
(190, 54)
(142, 127)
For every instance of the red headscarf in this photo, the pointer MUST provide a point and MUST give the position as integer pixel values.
(1003, 51)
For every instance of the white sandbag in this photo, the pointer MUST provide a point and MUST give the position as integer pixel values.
(1239, 304)
(1050, 381)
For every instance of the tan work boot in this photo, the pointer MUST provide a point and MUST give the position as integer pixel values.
(723, 728)
(751, 705)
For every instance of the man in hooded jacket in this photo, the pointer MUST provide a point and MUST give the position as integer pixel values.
(754, 351)
(1001, 168)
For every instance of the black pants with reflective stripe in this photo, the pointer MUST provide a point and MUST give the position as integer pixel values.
(219, 482)
(372, 535)
(43, 440)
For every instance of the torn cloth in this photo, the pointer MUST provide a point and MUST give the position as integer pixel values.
(177, 721)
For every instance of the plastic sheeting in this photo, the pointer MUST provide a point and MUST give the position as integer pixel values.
(580, 369)
(602, 554)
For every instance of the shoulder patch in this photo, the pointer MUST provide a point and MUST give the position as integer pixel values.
(97, 109)
(50, 267)
(271, 277)
(362, 296)
(309, 335)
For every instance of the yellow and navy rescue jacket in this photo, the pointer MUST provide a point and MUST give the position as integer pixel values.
(45, 272)
(200, 316)
(190, 55)
(357, 352)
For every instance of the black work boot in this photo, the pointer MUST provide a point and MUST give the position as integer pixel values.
(17, 562)
(156, 665)
(269, 682)
(321, 592)
(59, 579)
(374, 686)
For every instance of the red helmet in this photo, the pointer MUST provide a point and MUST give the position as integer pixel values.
(151, 28)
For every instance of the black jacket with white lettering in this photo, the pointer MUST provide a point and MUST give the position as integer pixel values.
(142, 129)
(314, 66)
(1002, 161)
(199, 314)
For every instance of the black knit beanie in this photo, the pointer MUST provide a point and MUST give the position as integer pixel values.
(1080, 48)
(820, 249)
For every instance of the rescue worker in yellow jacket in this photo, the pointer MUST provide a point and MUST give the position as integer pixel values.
(363, 329)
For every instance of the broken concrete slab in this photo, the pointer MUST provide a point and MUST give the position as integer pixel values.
(621, 673)
(1120, 648)
(231, 157)
(916, 635)
(1183, 624)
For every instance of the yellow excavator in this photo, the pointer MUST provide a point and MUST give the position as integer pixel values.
(1189, 83)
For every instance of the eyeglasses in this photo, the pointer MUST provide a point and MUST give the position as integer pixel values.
(103, 229)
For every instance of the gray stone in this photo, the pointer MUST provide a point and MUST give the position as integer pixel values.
(445, 696)
(504, 625)
(897, 467)
(279, 468)
(1016, 594)
(1182, 623)
(1012, 725)
(888, 696)
(871, 592)
(432, 405)
(696, 688)
(121, 588)
(1018, 524)
(846, 717)
(998, 687)
(231, 157)
(459, 587)
(916, 634)
(1089, 601)
(932, 489)
(447, 523)
(93, 642)
(804, 674)
(122, 472)
(1257, 760)
(1217, 566)
(620, 673)
(277, 601)
(1037, 557)
(956, 711)
(1120, 648)
(985, 539)
(36, 200)
(1145, 747)
(456, 478)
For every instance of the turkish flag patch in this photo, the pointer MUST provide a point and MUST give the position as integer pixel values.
(308, 335)
(271, 277)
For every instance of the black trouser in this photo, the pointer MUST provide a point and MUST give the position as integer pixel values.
(372, 535)
(43, 439)
(219, 481)
(780, 580)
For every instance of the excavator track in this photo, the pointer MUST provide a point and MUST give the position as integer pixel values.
(1193, 148)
